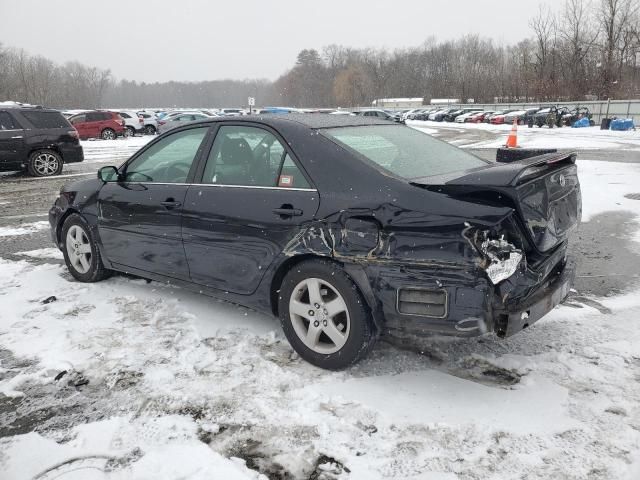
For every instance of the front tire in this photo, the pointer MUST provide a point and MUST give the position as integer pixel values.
(324, 315)
(44, 163)
(81, 252)
(108, 134)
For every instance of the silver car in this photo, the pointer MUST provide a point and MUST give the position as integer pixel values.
(177, 120)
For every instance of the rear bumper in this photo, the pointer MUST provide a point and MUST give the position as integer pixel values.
(545, 298)
(72, 153)
(474, 306)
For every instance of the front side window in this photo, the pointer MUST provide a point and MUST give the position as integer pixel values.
(169, 160)
(250, 156)
(404, 151)
(94, 116)
(78, 119)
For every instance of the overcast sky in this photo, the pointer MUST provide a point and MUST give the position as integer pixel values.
(159, 40)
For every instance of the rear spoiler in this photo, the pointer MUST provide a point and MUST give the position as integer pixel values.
(514, 173)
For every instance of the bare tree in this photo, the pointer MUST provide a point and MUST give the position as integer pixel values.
(616, 17)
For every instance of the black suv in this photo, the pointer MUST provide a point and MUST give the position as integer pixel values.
(37, 139)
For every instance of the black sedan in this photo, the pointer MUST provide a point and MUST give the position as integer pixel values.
(346, 228)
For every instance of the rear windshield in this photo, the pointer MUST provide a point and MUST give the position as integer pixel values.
(404, 151)
(46, 119)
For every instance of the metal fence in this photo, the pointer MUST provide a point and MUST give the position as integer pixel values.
(599, 109)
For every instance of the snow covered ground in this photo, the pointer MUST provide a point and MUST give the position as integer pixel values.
(113, 151)
(126, 379)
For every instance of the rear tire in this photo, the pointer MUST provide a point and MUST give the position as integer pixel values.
(150, 130)
(132, 131)
(324, 315)
(81, 251)
(108, 134)
(44, 163)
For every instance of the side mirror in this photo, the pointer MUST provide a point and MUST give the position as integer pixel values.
(108, 174)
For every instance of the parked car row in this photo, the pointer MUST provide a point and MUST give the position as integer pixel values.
(111, 124)
(554, 116)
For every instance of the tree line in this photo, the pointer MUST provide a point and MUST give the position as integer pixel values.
(37, 80)
(590, 49)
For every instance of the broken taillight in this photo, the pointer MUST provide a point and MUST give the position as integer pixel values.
(500, 258)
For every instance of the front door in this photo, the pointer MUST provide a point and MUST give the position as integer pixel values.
(95, 124)
(79, 122)
(12, 153)
(140, 216)
(252, 201)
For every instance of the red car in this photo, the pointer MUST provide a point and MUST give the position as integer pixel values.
(498, 119)
(478, 117)
(99, 124)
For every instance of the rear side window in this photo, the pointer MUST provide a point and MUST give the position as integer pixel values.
(7, 122)
(46, 119)
(124, 115)
(251, 156)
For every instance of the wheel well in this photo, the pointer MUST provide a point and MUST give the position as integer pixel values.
(50, 147)
(276, 280)
(69, 211)
(359, 280)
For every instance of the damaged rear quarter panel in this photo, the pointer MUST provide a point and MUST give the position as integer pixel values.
(416, 241)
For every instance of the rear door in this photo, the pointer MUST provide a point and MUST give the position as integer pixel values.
(140, 217)
(251, 202)
(12, 152)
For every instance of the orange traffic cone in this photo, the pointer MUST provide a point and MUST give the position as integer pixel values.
(512, 141)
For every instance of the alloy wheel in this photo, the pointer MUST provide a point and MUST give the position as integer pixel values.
(78, 249)
(319, 316)
(109, 134)
(46, 164)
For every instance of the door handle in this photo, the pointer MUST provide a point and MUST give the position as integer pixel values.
(169, 204)
(16, 137)
(287, 212)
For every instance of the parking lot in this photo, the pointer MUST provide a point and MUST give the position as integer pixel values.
(152, 380)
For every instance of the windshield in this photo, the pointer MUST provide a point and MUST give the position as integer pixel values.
(404, 151)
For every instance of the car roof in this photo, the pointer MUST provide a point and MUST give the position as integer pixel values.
(314, 121)
(28, 108)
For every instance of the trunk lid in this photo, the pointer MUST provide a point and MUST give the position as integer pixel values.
(544, 190)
